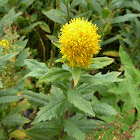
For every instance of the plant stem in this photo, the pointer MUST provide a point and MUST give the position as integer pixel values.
(42, 43)
(72, 84)
(67, 112)
(43, 46)
(68, 18)
(5, 129)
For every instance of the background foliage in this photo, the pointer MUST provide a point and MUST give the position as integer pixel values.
(38, 103)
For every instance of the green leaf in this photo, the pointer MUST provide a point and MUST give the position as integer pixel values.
(56, 44)
(100, 62)
(1, 85)
(71, 128)
(103, 109)
(76, 99)
(7, 19)
(127, 63)
(38, 69)
(38, 73)
(52, 38)
(99, 78)
(62, 60)
(18, 134)
(105, 12)
(96, 6)
(136, 135)
(126, 17)
(125, 59)
(24, 4)
(45, 27)
(21, 106)
(55, 15)
(111, 40)
(52, 109)
(5, 59)
(14, 119)
(21, 57)
(43, 130)
(132, 90)
(29, 28)
(88, 126)
(34, 64)
(55, 74)
(8, 95)
(76, 73)
(120, 89)
(68, 138)
(37, 99)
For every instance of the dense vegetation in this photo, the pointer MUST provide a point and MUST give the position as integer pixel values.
(43, 98)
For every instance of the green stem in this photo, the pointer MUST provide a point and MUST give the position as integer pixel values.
(43, 46)
(42, 43)
(67, 112)
(68, 18)
(5, 129)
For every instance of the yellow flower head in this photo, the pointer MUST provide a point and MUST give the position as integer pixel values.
(4, 43)
(79, 41)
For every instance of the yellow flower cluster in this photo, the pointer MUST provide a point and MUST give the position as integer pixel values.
(4, 43)
(79, 41)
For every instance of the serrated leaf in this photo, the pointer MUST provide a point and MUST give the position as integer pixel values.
(55, 15)
(14, 120)
(88, 126)
(8, 95)
(38, 73)
(72, 130)
(21, 57)
(21, 106)
(43, 130)
(19, 134)
(120, 89)
(125, 59)
(100, 62)
(76, 99)
(99, 78)
(76, 73)
(34, 64)
(51, 109)
(5, 59)
(132, 90)
(103, 109)
(55, 74)
(126, 17)
(127, 63)
(38, 99)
